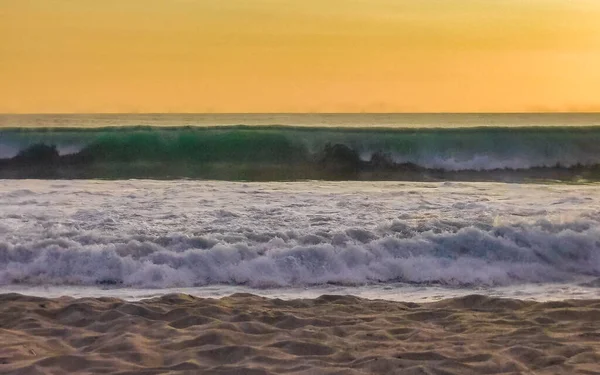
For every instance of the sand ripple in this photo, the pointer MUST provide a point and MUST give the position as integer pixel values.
(246, 334)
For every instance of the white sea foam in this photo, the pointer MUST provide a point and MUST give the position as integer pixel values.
(153, 234)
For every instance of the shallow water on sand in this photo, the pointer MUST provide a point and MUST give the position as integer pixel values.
(391, 292)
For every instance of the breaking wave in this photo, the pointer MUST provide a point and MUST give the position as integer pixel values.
(242, 152)
(540, 252)
(147, 233)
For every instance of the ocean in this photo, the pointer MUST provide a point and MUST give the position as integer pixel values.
(398, 207)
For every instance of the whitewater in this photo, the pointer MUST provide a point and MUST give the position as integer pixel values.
(394, 240)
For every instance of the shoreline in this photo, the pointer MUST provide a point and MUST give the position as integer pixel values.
(585, 288)
(331, 334)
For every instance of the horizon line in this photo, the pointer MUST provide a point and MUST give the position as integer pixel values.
(296, 113)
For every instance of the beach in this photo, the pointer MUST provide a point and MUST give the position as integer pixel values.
(299, 187)
(247, 334)
(311, 277)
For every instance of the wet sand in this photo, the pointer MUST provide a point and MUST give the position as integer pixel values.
(246, 334)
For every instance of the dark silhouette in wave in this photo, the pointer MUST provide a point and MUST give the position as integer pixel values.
(333, 162)
(290, 153)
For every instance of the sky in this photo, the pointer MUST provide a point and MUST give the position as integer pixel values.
(242, 56)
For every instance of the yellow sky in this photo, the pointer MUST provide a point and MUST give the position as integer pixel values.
(299, 55)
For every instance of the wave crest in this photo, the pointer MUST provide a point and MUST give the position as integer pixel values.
(293, 153)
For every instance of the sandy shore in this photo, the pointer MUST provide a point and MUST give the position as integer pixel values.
(246, 334)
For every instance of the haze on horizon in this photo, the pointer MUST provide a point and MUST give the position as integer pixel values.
(274, 56)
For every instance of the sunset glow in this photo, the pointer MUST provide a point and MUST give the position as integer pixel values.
(299, 56)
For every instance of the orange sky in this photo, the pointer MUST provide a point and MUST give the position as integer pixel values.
(299, 55)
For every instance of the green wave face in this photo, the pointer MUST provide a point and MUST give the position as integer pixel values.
(201, 146)
(473, 149)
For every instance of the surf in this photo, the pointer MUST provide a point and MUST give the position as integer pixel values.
(289, 153)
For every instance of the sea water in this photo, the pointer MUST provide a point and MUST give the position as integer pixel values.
(392, 240)
(276, 223)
